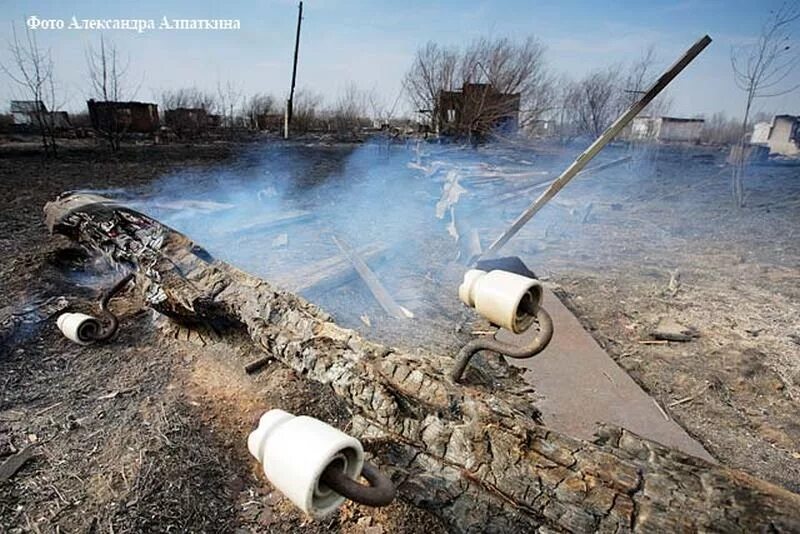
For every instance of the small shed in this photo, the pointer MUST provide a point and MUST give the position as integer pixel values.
(131, 117)
(667, 129)
(781, 136)
(26, 113)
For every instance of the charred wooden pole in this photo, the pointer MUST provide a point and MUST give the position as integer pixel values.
(477, 457)
(598, 144)
(290, 102)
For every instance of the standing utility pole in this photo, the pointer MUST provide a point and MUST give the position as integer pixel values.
(290, 102)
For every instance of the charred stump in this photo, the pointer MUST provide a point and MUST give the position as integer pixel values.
(477, 457)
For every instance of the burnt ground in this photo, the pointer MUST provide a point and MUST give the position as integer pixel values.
(144, 434)
(147, 432)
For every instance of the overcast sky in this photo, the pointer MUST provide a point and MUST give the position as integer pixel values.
(372, 43)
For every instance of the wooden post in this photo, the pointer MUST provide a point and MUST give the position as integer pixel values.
(290, 102)
(598, 145)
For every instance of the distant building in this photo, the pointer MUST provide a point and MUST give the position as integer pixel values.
(667, 129)
(542, 127)
(187, 121)
(478, 108)
(129, 117)
(781, 136)
(24, 113)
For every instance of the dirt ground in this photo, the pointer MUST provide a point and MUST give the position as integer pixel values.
(146, 433)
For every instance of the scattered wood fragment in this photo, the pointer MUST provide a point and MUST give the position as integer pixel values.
(660, 409)
(373, 283)
(45, 410)
(467, 238)
(14, 463)
(206, 206)
(257, 364)
(331, 272)
(653, 342)
(280, 241)
(691, 397)
(271, 222)
(670, 330)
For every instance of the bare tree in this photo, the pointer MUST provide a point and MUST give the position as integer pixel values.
(380, 110)
(762, 69)
(228, 96)
(257, 105)
(505, 77)
(640, 74)
(108, 74)
(510, 68)
(350, 108)
(306, 109)
(593, 102)
(189, 98)
(32, 70)
(433, 70)
(721, 130)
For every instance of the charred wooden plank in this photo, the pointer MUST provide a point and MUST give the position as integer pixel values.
(374, 285)
(329, 273)
(477, 457)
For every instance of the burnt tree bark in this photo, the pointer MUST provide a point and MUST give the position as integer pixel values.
(474, 456)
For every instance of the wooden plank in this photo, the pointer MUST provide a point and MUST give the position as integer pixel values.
(373, 283)
(331, 272)
(14, 463)
(272, 221)
(599, 143)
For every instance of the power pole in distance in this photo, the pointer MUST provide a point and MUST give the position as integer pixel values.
(290, 102)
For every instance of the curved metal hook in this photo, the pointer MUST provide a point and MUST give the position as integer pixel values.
(110, 329)
(536, 346)
(379, 492)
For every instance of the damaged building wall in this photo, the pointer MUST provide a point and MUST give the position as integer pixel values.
(131, 117)
(24, 113)
(782, 135)
(478, 108)
(667, 129)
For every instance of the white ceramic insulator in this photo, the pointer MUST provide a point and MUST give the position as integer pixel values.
(76, 326)
(294, 452)
(506, 299)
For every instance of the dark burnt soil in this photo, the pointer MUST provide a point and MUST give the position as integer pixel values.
(145, 433)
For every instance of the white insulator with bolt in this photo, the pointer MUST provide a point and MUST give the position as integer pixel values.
(296, 450)
(78, 327)
(506, 299)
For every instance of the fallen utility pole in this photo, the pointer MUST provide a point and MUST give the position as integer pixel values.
(598, 145)
(374, 285)
(478, 459)
(290, 102)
